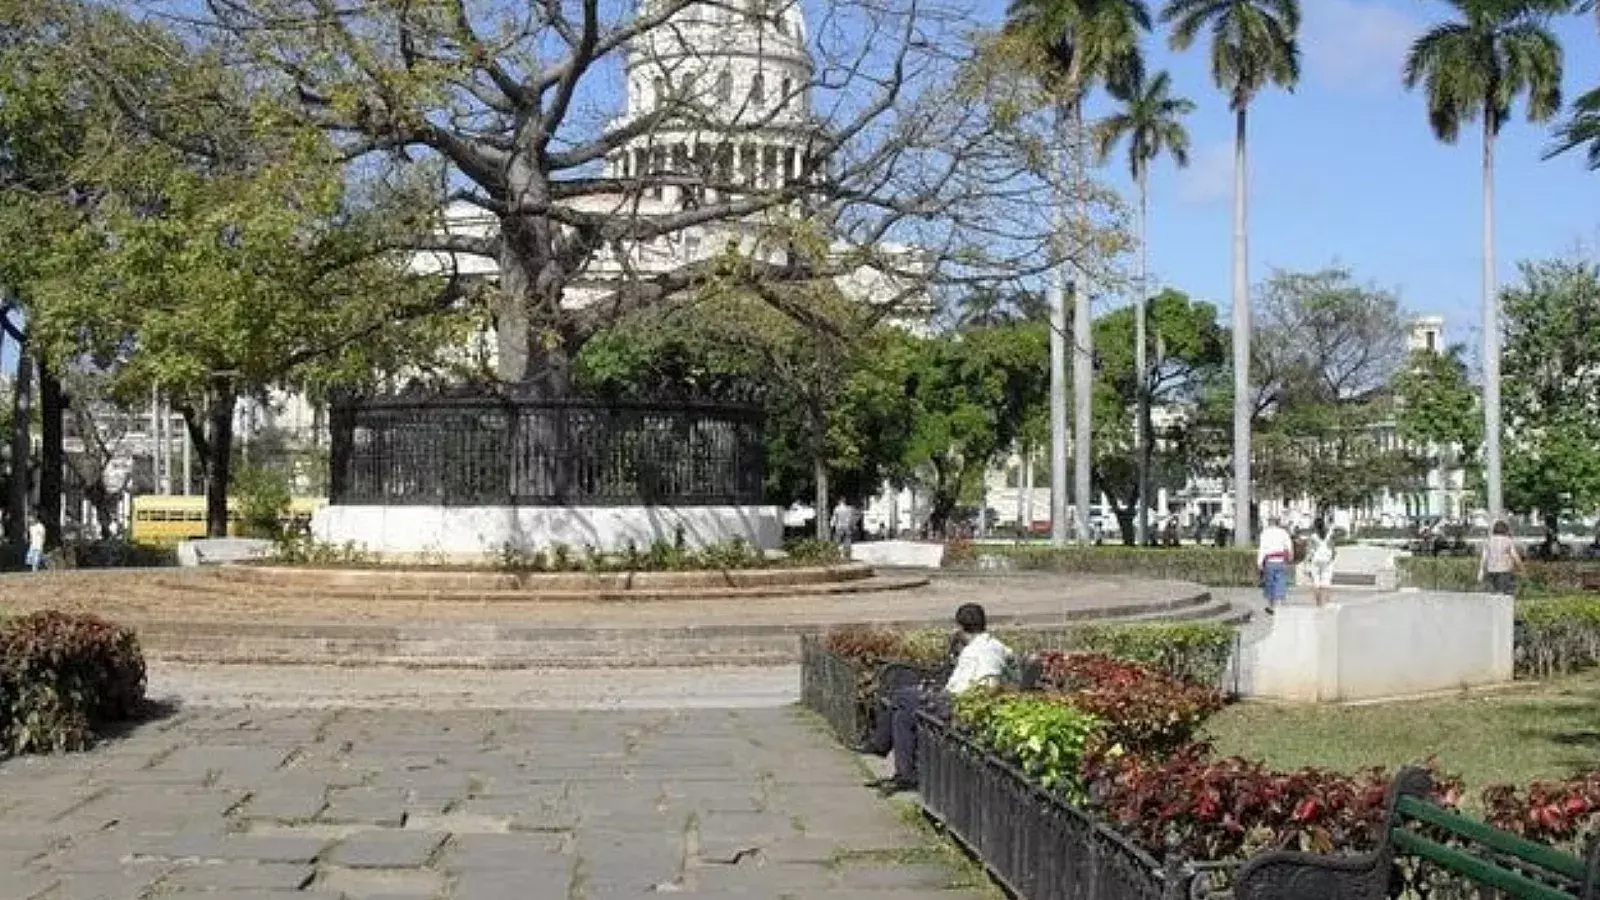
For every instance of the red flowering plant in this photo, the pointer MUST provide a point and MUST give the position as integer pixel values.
(1563, 813)
(1143, 711)
(1233, 808)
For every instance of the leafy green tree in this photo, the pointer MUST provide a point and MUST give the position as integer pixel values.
(1437, 408)
(1150, 120)
(1076, 45)
(1475, 69)
(1325, 361)
(1188, 349)
(1254, 43)
(1552, 370)
(182, 246)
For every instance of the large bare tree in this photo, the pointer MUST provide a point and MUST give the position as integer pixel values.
(917, 164)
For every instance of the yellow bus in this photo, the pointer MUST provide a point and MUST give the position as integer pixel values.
(168, 519)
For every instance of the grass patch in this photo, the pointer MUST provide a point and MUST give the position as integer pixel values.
(1548, 731)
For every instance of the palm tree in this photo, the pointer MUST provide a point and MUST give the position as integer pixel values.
(1477, 67)
(1151, 120)
(1084, 42)
(1253, 43)
(1582, 128)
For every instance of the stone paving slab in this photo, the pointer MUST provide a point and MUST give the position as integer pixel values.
(459, 805)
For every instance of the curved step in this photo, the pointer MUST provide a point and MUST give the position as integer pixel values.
(479, 580)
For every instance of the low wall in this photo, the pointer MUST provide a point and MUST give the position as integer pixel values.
(899, 554)
(465, 532)
(1382, 646)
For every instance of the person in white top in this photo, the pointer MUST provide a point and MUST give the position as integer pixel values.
(983, 661)
(36, 537)
(1320, 554)
(1274, 556)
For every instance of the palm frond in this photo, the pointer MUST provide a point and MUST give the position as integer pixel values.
(1583, 128)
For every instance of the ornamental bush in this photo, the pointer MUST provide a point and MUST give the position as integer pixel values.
(1214, 566)
(1230, 809)
(1460, 573)
(62, 677)
(1142, 711)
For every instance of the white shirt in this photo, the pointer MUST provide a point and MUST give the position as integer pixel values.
(36, 536)
(1275, 541)
(982, 661)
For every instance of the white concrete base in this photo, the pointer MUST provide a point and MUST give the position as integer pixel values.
(1381, 646)
(457, 532)
(903, 554)
(217, 551)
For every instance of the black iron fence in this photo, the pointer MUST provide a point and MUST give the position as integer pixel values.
(508, 450)
(1038, 846)
(830, 687)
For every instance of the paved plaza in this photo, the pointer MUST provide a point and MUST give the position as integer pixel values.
(476, 804)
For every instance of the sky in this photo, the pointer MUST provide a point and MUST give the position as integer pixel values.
(1346, 171)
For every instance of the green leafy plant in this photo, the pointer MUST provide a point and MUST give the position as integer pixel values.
(1540, 578)
(1043, 735)
(1195, 652)
(1558, 635)
(518, 559)
(1218, 567)
(1144, 711)
(812, 552)
(561, 559)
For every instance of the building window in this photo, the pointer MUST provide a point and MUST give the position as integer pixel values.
(691, 246)
(660, 85)
(724, 86)
(758, 89)
(788, 89)
(1431, 340)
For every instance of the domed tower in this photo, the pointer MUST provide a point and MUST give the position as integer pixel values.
(729, 82)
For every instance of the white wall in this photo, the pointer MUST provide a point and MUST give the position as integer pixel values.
(1381, 646)
(458, 531)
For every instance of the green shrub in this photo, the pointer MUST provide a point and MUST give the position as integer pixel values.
(1558, 635)
(1044, 735)
(812, 552)
(1460, 573)
(1217, 567)
(113, 554)
(62, 677)
(262, 497)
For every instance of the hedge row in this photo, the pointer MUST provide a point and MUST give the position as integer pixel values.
(1212, 566)
(63, 678)
(1460, 573)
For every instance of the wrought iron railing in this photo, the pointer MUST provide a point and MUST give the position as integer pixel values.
(830, 687)
(507, 450)
(1038, 846)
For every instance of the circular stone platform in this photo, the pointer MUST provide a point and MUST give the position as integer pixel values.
(217, 616)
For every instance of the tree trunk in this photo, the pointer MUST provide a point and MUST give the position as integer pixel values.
(219, 456)
(1082, 342)
(819, 466)
(21, 445)
(1491, 336)
(52, 453)
(1126, 523)
(1141, 365)
(1060, 436)
(1242, 533)
(511, 308)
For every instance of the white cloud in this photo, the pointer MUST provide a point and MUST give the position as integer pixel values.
(1209, 176)
(1356, 43)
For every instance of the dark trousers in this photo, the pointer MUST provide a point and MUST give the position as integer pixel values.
(896, 728)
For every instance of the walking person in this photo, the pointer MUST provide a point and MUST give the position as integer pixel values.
(36, 535)
(1320, 555)
(1501, 562)
(1274, 556)
(844, 524)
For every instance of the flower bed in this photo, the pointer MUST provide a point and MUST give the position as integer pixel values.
(63, 678)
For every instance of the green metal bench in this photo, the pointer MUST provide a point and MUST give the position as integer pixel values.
(1472, 851)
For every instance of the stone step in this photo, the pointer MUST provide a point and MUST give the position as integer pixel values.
(501, 645)
(479, 580)
(870, 583)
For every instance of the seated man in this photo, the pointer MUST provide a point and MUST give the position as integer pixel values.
(982, 661)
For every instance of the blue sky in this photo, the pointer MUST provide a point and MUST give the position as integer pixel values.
(1345, 170)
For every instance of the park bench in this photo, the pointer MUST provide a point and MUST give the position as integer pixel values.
(1416, 827)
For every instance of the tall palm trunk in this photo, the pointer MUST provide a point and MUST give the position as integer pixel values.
(1141, 438)
(1058, 353)
(1491, 334)
(1242, 532)
(1082, 339)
